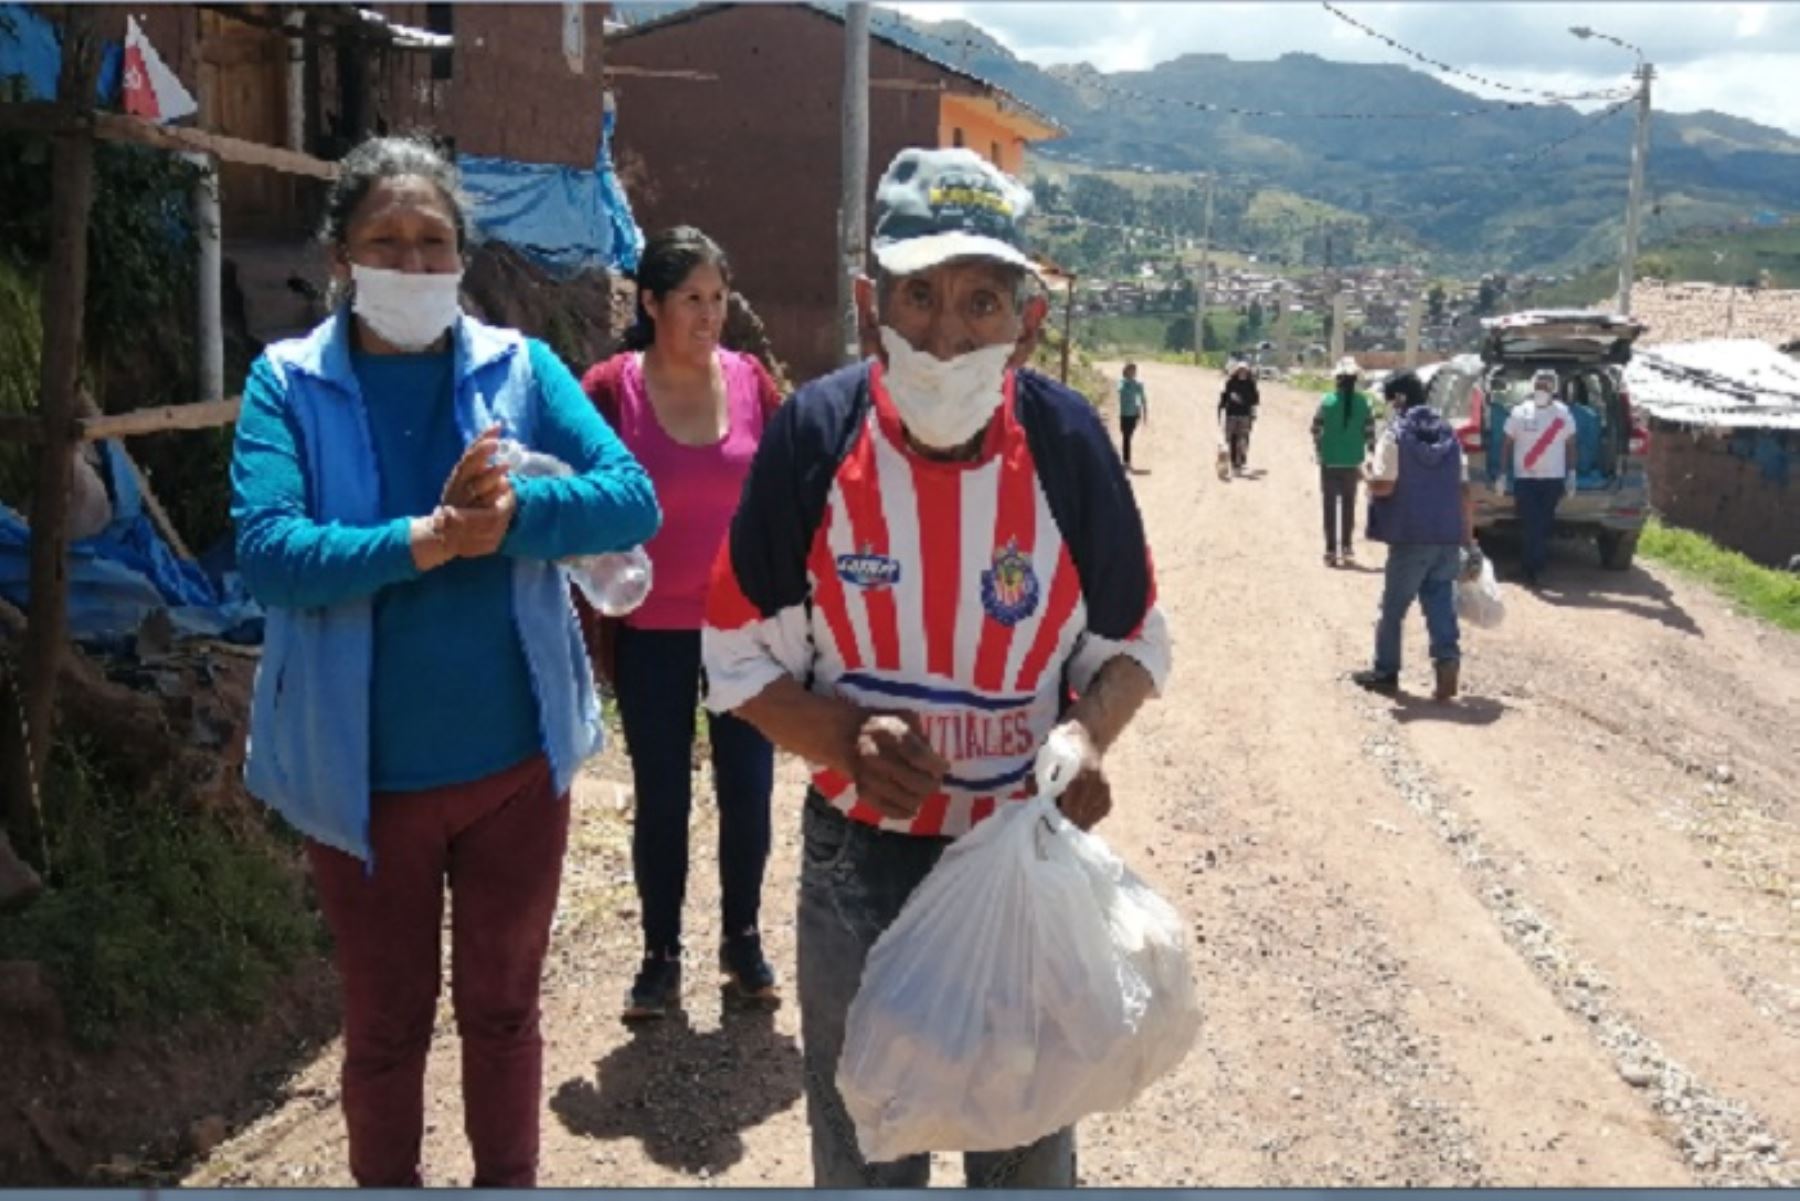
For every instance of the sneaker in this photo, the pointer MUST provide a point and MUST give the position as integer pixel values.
(656, 991)
(749, 980)
(1348, 558)
(1377, 681)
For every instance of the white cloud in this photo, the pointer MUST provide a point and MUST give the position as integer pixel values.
(1740, 59)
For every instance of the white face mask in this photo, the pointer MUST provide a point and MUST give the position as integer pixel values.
(944, 404)
(410, 310)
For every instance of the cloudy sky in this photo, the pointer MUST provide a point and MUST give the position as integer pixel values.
(1742, 59)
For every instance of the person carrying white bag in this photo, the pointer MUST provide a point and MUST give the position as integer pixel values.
(936, 562)
(1031, 980)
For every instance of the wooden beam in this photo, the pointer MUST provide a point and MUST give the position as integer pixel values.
(204, 415)
(906, 85)
(659, 73)
(115, 127)
(65, 295)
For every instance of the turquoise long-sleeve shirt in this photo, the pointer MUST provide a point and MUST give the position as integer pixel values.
(446, 643)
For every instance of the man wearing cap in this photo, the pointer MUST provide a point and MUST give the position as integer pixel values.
(936, 562)
(1343, 431)
(1421, 506)
(1539, 449)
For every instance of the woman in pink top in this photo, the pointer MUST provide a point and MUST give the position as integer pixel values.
(692, 413)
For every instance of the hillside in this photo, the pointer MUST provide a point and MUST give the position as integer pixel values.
(1479, 192)
(1474, 184)
(1734, 257)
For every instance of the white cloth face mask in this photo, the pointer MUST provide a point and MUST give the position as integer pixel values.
(409, 309)
(944, 403)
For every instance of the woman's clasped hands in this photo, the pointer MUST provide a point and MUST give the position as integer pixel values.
(474, 512)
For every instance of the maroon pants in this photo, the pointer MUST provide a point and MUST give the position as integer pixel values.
(499, 842)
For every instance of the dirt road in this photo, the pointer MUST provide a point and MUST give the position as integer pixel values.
(1550, 936)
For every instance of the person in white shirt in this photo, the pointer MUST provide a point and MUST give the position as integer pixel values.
(1539, 451)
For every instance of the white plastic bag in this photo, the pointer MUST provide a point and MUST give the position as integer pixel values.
(615, 583)
(1032, 979)
(1478, 601)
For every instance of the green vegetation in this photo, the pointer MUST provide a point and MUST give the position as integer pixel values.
(157, 911)
(1765, 592)
(1735, 257)
(21, 338)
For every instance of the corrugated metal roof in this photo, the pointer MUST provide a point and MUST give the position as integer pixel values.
(1738, 383)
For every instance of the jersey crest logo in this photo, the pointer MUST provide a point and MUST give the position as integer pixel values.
(1009, 589)
(866, 569)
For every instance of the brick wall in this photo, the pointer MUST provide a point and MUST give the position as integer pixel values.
(1730, 487)
(753, 159)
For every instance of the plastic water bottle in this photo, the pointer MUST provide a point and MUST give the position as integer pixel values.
(615, 583)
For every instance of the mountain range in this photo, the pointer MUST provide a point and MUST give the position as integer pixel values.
(1504, 187)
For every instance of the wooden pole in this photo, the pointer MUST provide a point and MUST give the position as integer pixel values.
(65, 297)
(853, 175)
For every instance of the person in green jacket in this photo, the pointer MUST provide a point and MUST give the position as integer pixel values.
(1343, 430)
(1134, 407)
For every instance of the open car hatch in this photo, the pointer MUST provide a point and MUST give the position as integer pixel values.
(1573, 335)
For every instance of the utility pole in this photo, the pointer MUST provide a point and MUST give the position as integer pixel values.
(1640, 150)
(1200, 285)
(853, 221)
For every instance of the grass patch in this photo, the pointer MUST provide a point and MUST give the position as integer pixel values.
(1765, 592)
(157, 911)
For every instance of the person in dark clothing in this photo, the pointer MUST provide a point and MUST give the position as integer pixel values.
(1422, 508)
(1237, 411)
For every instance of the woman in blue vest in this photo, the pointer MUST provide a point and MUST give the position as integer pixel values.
(424, 698)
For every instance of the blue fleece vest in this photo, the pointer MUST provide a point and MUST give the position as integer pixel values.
(308, 755)
(1425, 507)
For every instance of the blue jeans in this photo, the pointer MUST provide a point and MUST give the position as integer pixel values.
(1536, 501)
(853, 880)
(656, 676)
(1427, 573)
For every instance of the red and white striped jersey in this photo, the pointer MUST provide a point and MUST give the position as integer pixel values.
(973, 594)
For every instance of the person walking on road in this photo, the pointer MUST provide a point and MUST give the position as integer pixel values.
(1421, 506)
(693, 414)
(1134, 407)
(934, 547)
(1343, 429)
(424, 700)
(1237, 412)
(1539, 450)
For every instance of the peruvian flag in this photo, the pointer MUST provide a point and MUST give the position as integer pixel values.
(151, 89)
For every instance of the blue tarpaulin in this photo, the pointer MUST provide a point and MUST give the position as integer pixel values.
(565, 219)
(121, 575)
(29, 50)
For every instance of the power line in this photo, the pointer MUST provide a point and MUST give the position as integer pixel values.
(1587, 126)
(1602, 94)
(1122, 93)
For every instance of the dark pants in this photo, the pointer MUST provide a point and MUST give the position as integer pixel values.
(657, 680)
(854, 879)
(1537, 501)
(1237, 436)
(1127, 427)
(1338, 484)
(1426, 574)
(499, 842)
